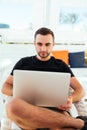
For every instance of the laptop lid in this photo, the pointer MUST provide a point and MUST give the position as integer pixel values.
(49, 89)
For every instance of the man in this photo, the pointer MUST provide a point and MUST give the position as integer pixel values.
(30, 117)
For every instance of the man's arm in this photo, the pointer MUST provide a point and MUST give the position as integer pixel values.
(78, 92)
(76, 95)
(7, 87)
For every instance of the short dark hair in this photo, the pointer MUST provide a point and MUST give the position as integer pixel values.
(44, 31)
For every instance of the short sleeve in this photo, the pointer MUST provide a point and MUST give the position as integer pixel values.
(17, 66)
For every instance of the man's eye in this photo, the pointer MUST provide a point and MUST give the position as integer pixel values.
(48, 44)
(39, 44)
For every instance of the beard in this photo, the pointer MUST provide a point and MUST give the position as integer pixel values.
(43, 54)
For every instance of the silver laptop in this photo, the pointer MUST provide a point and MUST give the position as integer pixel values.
(48, 89)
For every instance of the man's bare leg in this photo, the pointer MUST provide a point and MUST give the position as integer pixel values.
(64, 129)
(31, 117)
(61, 129)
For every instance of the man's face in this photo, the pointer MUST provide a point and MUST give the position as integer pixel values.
(44, 45)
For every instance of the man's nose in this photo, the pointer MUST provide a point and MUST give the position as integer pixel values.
(43, 48)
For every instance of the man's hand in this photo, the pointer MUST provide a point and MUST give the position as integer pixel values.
(66, 106)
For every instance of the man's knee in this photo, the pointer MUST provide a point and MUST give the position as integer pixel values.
(13, 107)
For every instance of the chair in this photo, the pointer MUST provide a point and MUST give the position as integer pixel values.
(78, 108)
(5, 121)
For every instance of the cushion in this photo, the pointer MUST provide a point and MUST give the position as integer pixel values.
(61, 54)
(77, 59)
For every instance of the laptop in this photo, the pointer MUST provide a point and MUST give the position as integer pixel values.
(47, 89)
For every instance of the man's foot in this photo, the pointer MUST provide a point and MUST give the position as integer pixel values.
(84, 118)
